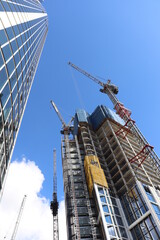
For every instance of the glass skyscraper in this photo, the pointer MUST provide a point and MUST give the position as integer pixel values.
(23, 30)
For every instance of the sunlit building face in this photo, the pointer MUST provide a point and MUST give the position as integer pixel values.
(23, 30)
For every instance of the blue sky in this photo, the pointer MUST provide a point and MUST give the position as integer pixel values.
(118, 40)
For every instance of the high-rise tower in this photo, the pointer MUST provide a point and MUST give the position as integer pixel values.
(23, 30)
(111, 181)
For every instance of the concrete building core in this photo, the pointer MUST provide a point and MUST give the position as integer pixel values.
(111, 181)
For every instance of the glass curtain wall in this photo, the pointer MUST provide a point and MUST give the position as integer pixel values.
(23, 29)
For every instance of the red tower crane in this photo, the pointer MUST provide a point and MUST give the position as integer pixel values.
(111, 90)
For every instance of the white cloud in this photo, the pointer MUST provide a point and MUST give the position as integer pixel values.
(36, 223)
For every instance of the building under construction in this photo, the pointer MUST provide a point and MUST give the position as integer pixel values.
(111, 176)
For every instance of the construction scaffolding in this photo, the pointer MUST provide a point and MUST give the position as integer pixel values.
(81, 219)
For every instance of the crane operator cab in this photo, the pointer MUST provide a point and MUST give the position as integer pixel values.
(113, 88)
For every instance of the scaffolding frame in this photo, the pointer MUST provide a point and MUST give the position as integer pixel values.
(142, 155)
(125, 129)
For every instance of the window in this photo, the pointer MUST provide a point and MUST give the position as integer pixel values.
(14, 46)
(13, 80)
(3, 77)
(105, 208)
(145, 230)
(119, 221)
(152, 200)
(5, 94)
(108, 200)
(100, 190)
(154, 234)
(7, 109)
(111, 231)
(113, 201)
(108, 219)
(103, 199)
(156, 209)
(10, 67)
(123, 232)
(7, 52)
(3, 38)
(116, 211)
(150, 197)
(149, 194)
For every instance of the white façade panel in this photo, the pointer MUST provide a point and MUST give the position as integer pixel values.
(8, 20)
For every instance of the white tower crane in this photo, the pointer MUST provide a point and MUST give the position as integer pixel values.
(59, 115)
(65, 127)
(18, 218)
(66, 130)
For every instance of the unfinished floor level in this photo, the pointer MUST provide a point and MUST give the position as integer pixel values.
(111, 181)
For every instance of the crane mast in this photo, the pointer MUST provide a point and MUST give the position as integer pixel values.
(111, 90)
(55, 172)
(54, 203)
(18, 218)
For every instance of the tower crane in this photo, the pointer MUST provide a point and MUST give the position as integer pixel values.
(59, 115)
(111, 90)
(66, 130)
(65, 127)
(18, 218)
(54, 203)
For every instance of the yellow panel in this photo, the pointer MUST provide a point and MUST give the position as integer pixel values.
(98, 176)
(94, 172)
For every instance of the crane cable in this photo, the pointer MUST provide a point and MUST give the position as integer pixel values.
(79, 95)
